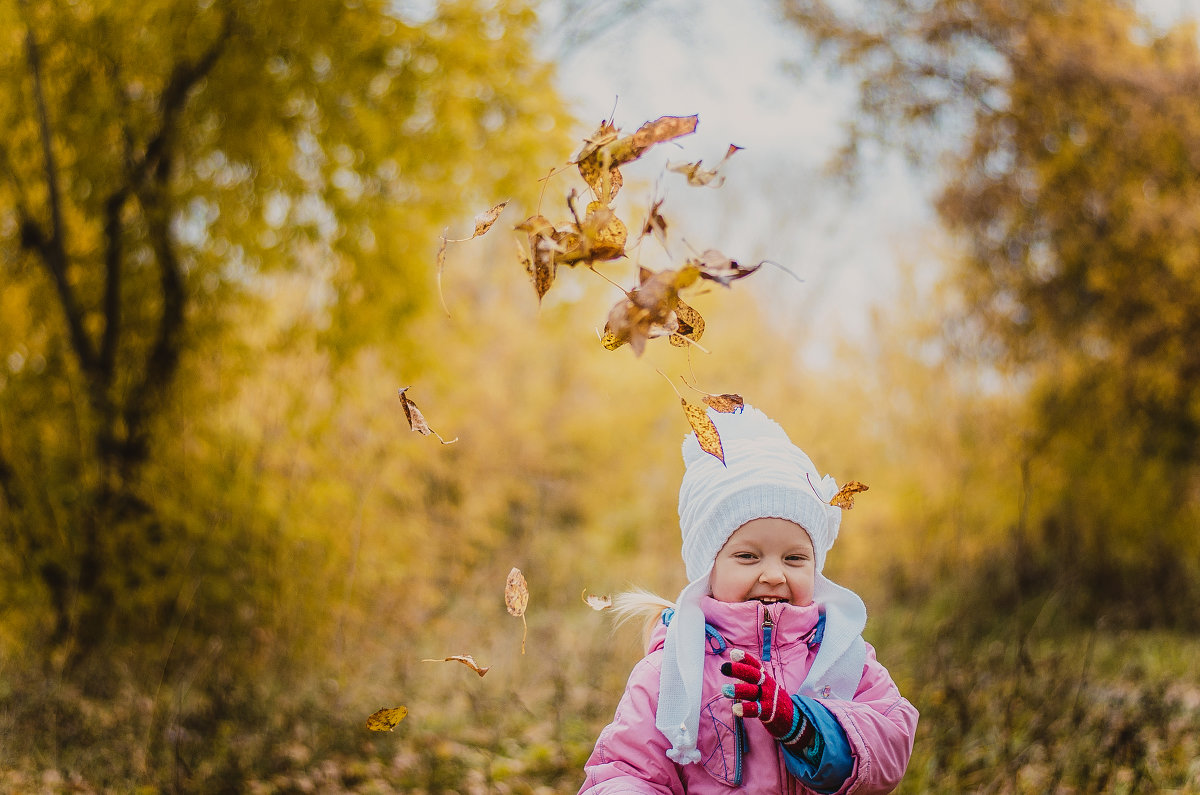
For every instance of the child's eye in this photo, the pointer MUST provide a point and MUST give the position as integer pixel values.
(743, 556)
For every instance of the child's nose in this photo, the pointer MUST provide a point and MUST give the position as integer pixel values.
(772, 574)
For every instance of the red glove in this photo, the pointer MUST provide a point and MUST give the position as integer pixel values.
(757, 695)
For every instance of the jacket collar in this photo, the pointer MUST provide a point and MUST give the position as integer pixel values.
(741, 623)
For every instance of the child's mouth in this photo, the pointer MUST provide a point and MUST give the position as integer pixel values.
(770, 600)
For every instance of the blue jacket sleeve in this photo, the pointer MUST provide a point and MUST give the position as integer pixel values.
(827, 763)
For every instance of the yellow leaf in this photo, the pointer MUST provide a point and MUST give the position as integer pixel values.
(844, 499)
(466, 660)
(691, 325)
(516, 599)
(484, 221)
(385, 720)
(706, 431)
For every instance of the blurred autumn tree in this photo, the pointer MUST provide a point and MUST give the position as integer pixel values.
(166, 167)
(1070, 139)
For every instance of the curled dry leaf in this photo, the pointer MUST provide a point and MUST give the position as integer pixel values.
(484, 221)
(466, 660)
(725, 404)
(385, 720)
(649, 310)
(698, 176)
(691, 325)
(844, 499)
(603, 152)
(600, 235)
(441, 265)
(540, 263)
(596, 602)
(416, 420)
(706, 430)
(715, 266)
(656, 224)
(516, 599)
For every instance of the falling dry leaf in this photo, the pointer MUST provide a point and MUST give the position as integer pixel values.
(691, 325)
(603, 152)
(649, 310)
(484, 221)
(844, 499)
(655, 224)
(698, 176)
(725, 404)
(596, 602)
(441, 265)
(706, 431)
(715, 266)
(416, 420)
(466, 660)
(516, 599)
(385, 720)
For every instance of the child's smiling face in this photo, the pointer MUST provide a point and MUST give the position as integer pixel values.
(767, 560)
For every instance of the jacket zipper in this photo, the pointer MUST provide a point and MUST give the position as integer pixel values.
(768, 629)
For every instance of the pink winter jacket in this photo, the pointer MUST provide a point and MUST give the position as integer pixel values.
(630, 754)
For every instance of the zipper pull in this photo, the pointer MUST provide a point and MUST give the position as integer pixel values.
(768, 629)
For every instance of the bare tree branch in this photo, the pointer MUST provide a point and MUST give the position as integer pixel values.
(51, 246)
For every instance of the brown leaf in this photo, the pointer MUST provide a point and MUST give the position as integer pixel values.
(603, 152)
(655, 224)
(540, 264)
(600, 235)
(385, 720)
(706, 431)
(844, 499)
(715, 266)
(664, 128)
(691, 325)
(697, 176)
(596, 602)
(416, 420)
(484, 221)
(516, 599)
(466, 660)
(647, 311)
(725, 404)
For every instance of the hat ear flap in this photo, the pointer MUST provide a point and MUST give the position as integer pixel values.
(692, 452)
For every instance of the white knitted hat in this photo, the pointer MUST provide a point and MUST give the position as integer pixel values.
(764, 475)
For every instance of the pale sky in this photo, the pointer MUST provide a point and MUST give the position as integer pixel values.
(724, 61)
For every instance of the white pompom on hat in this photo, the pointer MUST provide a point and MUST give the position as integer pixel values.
(764, 475)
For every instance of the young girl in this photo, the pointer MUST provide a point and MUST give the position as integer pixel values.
(758, 676)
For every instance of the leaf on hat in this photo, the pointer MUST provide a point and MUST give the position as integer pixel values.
(516, 599)
(385, 720)
(844, 499)
(698, 176)
(725, 404)
(466, 660)
(416, 420)
(596, 602)
(706, 431)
